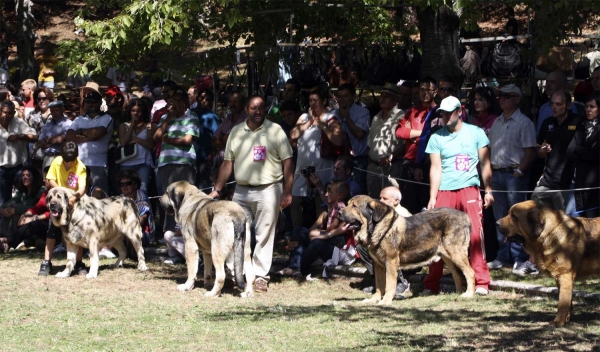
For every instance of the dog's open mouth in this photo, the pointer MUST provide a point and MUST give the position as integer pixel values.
(55, 211)
(352, 226)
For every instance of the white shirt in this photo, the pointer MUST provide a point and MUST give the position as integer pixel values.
(94, 153)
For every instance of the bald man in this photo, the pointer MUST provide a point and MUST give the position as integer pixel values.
(390, 196)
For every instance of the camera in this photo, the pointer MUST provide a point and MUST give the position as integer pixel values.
(307, 171)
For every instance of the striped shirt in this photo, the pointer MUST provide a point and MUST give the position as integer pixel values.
(178, 128)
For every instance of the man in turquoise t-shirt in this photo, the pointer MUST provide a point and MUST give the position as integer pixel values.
(455, 151)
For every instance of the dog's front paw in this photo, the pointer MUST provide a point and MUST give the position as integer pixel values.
(63, 274)
(184, 287)
(467, 295)
(91, 275)
(372, 300)
(211, 294)
(385, 302)
(247, 294)
(142, 267)
(556, 323)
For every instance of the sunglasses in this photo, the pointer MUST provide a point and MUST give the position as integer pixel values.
(506, 96)
(445, 89)
(42, 98)
(126, 184)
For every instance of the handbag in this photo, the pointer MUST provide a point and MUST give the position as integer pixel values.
(125, 153)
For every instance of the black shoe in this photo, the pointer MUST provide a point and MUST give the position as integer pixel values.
(45, 268)
(79, 268)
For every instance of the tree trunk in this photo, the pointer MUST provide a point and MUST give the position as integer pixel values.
(25, 39)
(440, 31)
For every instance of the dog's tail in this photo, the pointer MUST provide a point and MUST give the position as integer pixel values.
(239, 241)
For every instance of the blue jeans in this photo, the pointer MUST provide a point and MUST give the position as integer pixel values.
(300, 235)
(7, 180)
(144, 171)
(508, 252)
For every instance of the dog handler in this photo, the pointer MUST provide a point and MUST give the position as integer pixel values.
(261, 154)
(455, 151)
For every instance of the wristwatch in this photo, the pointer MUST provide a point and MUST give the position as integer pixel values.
(218, 191)
(36, 218)
(519, 172)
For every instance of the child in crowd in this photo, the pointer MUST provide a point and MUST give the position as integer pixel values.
(326, 239)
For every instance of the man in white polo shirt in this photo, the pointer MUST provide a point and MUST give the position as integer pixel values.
(92, 133)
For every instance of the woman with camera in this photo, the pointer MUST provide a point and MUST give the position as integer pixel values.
(310, 130)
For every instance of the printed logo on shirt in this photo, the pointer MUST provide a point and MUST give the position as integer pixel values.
(461, 162)
(572, 128)
(72, 180)
(550, 128)
(260, 153)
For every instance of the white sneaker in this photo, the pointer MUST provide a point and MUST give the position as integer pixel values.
(482, 291)
(106, 253)
(173, 261)
(310, 278)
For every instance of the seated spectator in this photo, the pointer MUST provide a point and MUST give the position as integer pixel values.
(342, 171)
(29, 190)
(325, 240)
(390, 196)
(66, 171)
(130, 182)
(139, 131)
(584, 149)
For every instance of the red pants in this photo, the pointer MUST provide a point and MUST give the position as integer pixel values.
(469, 201)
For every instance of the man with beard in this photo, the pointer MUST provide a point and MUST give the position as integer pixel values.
(91, 132)
(262, 157)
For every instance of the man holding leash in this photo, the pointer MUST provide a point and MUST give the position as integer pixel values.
(455, 151)
(261, 154)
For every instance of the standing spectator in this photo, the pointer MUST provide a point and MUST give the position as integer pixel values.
(512, 26)
(596, 80)
(206, 100)
(291, 92)
(28, 86)
(66, 171)
(139, 131)
(455, 152)
(37, 119)
(262, 157)
(159, 100)
(355, 121)
(121, 77)
(512, 144)
(554, 139)
(177, 130)
(308, 136)
(208, 123)
(47, 62)
(409, 129)
(3, 50)
(236, 116)
(92, 132)
(385, 149)
(584, 149)
(53, 133)
(193, 97)
(405, 100)
(555, 81)
(14, 136)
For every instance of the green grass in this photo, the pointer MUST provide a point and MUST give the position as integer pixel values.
(591, 285)
(127, 310)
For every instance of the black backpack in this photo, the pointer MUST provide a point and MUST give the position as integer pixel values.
(503, 60)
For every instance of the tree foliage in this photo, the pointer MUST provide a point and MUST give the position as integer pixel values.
(138, 28)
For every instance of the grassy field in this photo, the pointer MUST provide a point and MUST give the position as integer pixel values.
(127, 310)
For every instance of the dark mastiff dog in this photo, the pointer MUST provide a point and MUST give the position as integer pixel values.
(94, 223)
(563, 247)
(219, 228)
(396, 242)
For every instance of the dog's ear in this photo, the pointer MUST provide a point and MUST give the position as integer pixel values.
(378, 210)
(536, 220)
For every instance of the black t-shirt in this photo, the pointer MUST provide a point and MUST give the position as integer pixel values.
(558, 169)
(512, 22)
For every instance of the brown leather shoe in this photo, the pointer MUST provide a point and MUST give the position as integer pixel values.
(261, 285)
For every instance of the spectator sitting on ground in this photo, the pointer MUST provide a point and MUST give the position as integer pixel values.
(66, 171)
(130, 182)
(325, 239)
(390, 196)
(29, 190)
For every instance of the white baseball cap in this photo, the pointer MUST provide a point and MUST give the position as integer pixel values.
(449, 104)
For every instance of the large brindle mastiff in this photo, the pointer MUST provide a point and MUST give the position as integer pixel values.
(219, 228)
(93, 223)
(396, 242)
(562, 246)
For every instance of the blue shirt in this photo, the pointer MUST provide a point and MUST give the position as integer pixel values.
(460, 155)
(52, 129)
(208, 122)
(361, 118)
